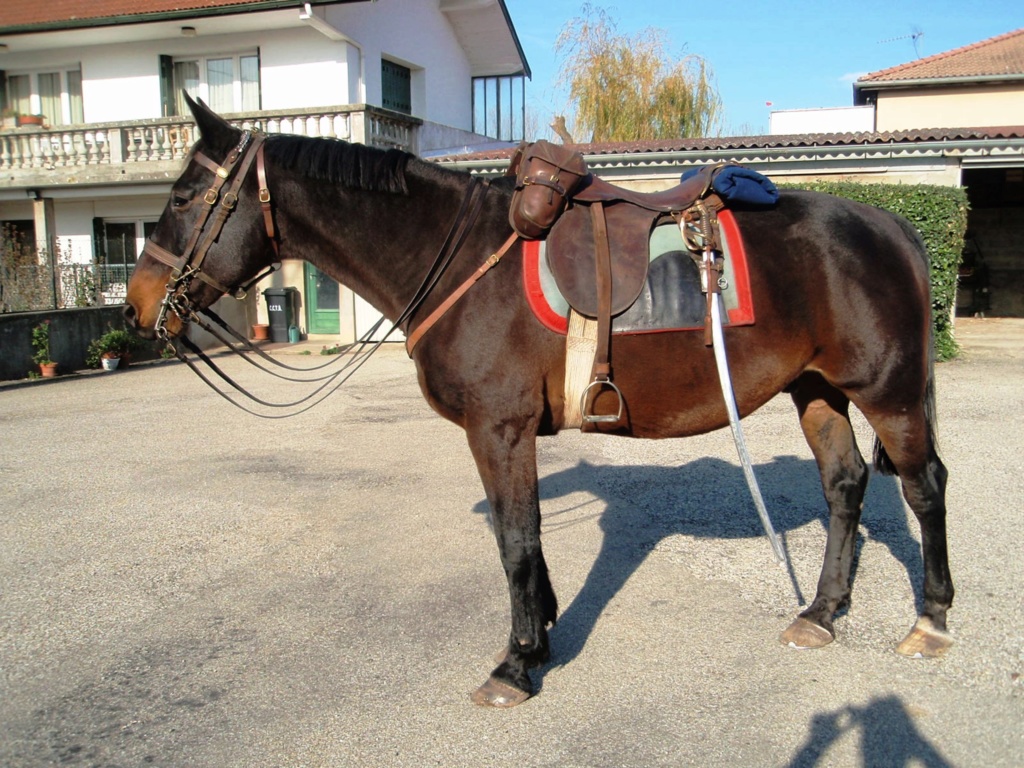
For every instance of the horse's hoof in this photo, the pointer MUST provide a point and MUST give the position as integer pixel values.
(495, 693)
(803, 633)
(925, 641)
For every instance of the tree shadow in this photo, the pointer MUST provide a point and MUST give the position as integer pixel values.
(707, 498)
(888, 736)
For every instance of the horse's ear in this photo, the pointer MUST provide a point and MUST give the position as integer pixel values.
(217, 132)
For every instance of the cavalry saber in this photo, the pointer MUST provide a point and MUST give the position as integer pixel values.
(725, 380)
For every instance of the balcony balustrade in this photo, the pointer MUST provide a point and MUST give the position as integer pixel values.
(141, 149)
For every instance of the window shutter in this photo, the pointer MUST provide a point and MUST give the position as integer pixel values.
(396, 87)
(3, 90)
(168, 106)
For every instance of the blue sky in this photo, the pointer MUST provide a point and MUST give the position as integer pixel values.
(793, 54)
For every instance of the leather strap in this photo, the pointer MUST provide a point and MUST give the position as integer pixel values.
(437, 314)
(228, 201)
(264, 194)
(603, 263)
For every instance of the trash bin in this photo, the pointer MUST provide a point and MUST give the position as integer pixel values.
(281, 308)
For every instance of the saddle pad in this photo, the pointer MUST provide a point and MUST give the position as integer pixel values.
(671, 299)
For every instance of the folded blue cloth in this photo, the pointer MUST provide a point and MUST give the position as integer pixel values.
(736, 184)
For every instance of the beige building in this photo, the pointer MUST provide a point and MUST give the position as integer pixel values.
(979, 85)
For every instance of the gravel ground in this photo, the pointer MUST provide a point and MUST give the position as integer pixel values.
(182, 584)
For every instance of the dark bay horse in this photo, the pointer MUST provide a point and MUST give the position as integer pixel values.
(841, 291)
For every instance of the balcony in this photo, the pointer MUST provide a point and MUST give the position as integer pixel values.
(150, 150)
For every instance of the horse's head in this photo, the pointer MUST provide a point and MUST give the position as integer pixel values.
(215, 235)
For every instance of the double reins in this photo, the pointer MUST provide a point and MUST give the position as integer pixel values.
(188, 267)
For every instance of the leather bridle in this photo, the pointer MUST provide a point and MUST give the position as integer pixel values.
(188, 266)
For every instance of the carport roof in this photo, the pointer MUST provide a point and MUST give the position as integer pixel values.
(795, 141)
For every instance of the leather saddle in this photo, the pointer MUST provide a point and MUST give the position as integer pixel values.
(604, 221)
(577, 240)
(597, 234)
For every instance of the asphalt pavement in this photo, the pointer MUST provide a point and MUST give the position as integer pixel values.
(184, 584)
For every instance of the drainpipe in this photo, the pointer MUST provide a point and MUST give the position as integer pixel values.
(320, 24)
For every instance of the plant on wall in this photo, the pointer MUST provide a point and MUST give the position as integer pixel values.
(41, 344)
(116, 342)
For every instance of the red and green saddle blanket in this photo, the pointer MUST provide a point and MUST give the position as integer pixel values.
(671, 299)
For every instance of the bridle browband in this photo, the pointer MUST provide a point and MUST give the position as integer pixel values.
(188, 266)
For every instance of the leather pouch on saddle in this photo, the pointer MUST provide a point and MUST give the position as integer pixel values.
(547, 176)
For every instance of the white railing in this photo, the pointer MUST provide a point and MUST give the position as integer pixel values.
(99, 144)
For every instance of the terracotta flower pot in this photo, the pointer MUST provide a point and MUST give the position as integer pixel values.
(48, 370)
(260, 332)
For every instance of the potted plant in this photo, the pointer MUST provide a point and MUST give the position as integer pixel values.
(41, 350)
(112, 349)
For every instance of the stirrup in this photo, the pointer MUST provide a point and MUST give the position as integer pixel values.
(599, 418)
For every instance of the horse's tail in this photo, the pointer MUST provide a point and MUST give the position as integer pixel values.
(883, 464)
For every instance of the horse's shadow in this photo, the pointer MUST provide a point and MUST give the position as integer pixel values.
(707, 498)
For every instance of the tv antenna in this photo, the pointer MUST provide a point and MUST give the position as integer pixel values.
(916, 33)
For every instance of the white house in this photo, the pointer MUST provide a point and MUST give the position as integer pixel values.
(106, 78)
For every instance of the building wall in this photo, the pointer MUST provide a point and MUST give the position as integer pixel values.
(425, 42)
(302, 68)
(782, 122)
(961, 107)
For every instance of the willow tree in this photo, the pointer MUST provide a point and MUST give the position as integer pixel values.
(625, 88)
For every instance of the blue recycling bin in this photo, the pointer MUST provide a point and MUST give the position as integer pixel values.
(282, 309)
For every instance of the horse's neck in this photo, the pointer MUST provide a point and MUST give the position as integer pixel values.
(379, 245)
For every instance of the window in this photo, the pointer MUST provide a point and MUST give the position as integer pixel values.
(396, 87)
(226, 83)
(499, 107)
(118, 244)
(57, 95)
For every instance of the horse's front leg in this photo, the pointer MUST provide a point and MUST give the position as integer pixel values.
(506, 456)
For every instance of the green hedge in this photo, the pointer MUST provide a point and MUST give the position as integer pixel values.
(940, 215)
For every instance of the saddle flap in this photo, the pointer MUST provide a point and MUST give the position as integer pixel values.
(547, 175)
(572, 255)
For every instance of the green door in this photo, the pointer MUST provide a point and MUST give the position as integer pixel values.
(322, 302)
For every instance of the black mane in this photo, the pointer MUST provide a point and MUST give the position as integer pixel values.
(339, 162)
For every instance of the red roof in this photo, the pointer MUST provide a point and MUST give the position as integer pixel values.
(999, 56)
(24, 15)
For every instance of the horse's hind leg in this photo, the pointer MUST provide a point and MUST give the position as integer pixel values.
(824, 418)
(908, 445)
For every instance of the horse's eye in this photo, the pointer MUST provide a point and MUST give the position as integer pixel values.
(178, 201)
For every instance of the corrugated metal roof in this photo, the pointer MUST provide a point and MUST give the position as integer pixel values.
(766, 142)
(999, 56)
